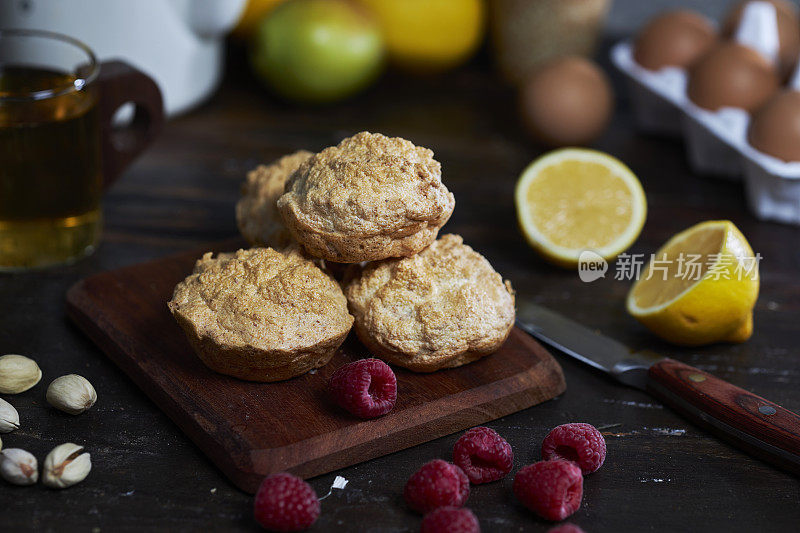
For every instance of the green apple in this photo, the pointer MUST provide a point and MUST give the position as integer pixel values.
(317, 50)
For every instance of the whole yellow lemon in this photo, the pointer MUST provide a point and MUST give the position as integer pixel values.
(430, 35)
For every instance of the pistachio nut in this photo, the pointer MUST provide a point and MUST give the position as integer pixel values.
(72, 394)
(18, 373)
(65, 466)
(18, 467)
(9, 417)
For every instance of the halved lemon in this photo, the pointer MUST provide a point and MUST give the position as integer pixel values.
(574, 199)
(700, 287)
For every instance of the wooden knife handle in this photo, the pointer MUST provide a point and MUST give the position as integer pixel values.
(750, 422)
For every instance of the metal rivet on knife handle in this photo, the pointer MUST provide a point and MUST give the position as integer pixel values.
(697, 378)
(767, 410)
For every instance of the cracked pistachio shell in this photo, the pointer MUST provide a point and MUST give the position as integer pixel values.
(72, 394)
(9, 417)
(66, 465)
(18, 373)
(18, 467)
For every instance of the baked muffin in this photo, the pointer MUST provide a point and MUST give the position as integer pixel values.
(441, 308)
(368, 198)
(260, 314)
(256, 212)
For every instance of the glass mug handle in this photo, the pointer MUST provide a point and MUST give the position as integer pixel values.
(119, 83)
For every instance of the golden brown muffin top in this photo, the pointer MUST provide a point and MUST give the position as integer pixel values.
(368, 187)
(256, 212)
(262, 298)
(437, 304)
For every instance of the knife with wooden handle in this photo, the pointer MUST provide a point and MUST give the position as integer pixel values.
(754, 424)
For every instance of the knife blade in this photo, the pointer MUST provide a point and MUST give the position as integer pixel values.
(754, 424)
(592, 348)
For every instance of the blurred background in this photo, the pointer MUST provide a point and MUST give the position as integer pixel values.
(180, 42)
(627, 16)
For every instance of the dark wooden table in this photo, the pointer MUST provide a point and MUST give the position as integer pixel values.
(662, 473)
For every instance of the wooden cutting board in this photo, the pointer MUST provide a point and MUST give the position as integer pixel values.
(253, 429)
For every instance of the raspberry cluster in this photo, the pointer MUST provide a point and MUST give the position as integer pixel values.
(552, 488)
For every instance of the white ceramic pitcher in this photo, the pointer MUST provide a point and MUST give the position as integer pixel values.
(179, 43)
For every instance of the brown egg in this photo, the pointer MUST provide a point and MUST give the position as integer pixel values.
(673, 39)
(731, 75)
(788, 31)
(567, 101)
(775, 127)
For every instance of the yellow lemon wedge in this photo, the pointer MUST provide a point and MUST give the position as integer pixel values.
(700, 287)
(574, 199)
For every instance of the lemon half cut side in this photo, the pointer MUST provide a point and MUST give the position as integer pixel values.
(711, 301)
(575, 199)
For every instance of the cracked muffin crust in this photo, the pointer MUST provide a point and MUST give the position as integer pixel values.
(370, 197)
(256, 211)
(260, 314)
(441, 308)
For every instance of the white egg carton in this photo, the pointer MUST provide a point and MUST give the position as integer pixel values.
(716, 141)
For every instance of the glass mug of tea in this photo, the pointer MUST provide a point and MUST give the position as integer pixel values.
(59, 148)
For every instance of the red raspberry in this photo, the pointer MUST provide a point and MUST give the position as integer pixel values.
(566, 528)
(580, 443)
(285, 503)
(450, 520)
(367, 388)
(551, 489)
(436, 484)
(483, 455)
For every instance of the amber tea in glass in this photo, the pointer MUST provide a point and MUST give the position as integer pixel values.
(50, 176)
(55, 104)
